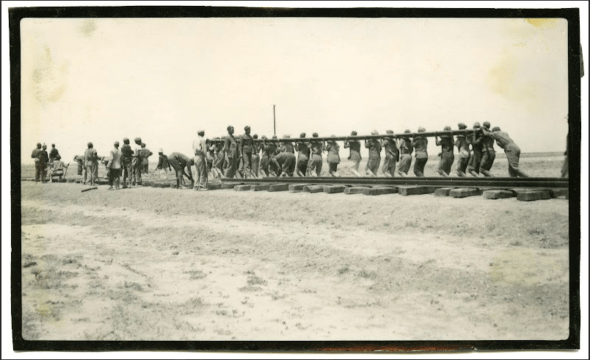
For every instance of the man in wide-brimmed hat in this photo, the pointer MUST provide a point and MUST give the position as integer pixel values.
(475, 140)
(464, 154)
(302, 148)
(374, 146)
(391, 154)
(488, 154)
(355, 153)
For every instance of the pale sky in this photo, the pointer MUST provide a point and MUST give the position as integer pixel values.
(101, 80)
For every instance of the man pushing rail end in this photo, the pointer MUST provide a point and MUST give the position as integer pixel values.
(510, 148)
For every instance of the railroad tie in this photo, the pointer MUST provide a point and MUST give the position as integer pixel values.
(313, 189)
(442, 191)
(464, 192)
(533, 195)
(297, 187)
(355, 190)
(334, 189)
(278, 187)
(498, 194)
(213, 186)
(261, 187)
(414, 190)
(243, 187)
(380, 190)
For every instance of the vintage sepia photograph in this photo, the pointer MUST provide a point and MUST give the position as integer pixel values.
(267, 175)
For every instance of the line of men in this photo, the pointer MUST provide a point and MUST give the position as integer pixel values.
(231, 156)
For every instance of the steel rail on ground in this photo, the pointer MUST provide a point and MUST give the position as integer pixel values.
(495, 182)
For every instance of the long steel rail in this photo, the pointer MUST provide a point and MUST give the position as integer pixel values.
(495, 182)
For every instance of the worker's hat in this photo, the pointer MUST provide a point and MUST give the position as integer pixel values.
(263, 137)
(314, 134)
(447, 128)
(407, 132)
(255, 136)
(374, 132)
(286, 136)
(302, 135)
(389, 132)
(476, 125)
(353, 133)
(462, 126)
(58, 157)
(89, 144)
(117, 143)
(137, 139)
(496, 128)
(421, 129)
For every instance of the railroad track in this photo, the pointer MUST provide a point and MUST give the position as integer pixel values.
(452, 182)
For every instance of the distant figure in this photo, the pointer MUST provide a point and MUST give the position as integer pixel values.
(231, 153)
(57, 168)
(53, 153)
(405, 148)
(44, 162)
(79, 159)
(145, 162)
(219, 161)
(114, 165)
(566, 165)
(447, 156)
(355, 154)
(315, 163)
(302, 156)
(333, 157)
(282, 165)
(127, 163)
(510, 148)
(287, 146)
(420, 144)
(245, 147)
(38, 168)
(255, 156)
(90, 164)
(268, 150)
(163, 164)
(488, 154)
(200, 150)
(210, 155)
(374, 146)
(464, 154)
(391, 154)
(136, 163)
(476, 146)
(181, 163)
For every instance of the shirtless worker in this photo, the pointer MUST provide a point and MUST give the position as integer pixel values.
(475, 140)
(374, 146)
(420, 144)
(90, 164)
(447, 156)
(302, 156)
(355, 154)
(245, 146)
(126, 162)
(181, 163)
(255, 156)
(231, 153)
(333, 157)
(488, 154)
(35, 157)
(391, 154)
(511, 150)
(464, 154)
(405, 161)
(315, 162)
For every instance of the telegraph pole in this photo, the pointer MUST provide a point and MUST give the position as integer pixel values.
(274, 119)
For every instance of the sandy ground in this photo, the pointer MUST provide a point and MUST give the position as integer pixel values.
(149, 263)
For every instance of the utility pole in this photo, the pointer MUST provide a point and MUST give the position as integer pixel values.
(274, 120)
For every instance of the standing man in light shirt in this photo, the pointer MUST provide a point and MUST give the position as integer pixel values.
(114, 166)
(200, 151)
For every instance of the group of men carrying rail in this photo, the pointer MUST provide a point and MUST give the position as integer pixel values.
(247, 156)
